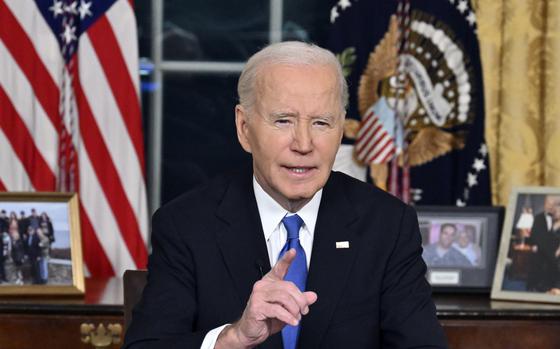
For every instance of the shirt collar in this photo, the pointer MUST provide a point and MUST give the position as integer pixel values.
(271, 212)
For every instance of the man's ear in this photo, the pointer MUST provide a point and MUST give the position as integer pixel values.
(242, 126)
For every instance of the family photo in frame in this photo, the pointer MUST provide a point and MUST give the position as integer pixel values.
(528, 267)
(40, 244)
(460, 246)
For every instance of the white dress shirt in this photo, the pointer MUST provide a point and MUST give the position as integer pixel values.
(275, 234)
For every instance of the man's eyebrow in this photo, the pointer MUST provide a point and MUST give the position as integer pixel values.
(283, 114)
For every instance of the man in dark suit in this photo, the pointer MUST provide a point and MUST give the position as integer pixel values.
(544, 273)
(347, 267)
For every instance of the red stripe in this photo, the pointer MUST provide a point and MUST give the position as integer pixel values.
(364, 130)
(18, 135)
(22, 50)
(371, 141)
(112, 61)
(381, 137)
(95, 257)
(389, 154)
(387, 142)
(2, 186)
(108, 178)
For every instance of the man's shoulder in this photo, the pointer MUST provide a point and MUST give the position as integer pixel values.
(201, 199)
(364, 194)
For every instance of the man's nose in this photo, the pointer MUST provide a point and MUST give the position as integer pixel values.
(302, 141)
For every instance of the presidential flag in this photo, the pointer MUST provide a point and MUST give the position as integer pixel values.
(415, 123)
(70, 119)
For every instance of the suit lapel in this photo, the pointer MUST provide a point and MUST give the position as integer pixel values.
(330, 266)
(241, 242)
(241, 239)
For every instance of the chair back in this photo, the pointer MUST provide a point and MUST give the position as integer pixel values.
(134, 282)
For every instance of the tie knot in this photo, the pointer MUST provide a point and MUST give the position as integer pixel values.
(293, 224)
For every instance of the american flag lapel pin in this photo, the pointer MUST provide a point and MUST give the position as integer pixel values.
(343, 244)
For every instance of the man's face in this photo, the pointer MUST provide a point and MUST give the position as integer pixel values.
(550, 203)
(463, 239)
(446, 236)
(293, 131)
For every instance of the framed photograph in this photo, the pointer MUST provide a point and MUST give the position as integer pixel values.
(460, 245)
(40, 244)
(528, 267)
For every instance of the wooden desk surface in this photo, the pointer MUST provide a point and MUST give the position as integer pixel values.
(470, 321)
(102, 297)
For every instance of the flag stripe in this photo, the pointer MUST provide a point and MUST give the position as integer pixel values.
(22, 142)
(108, 117)
(31, 113)
(388, 156)
(108, 177)
(367, 137)
(95, 257)
(382, 152)
(381, 143)
(373, 145)
(105, 219)
(22, 50)
(12, 173)
(121, 18)
(367, 124)
(40, 34)
(373, 137)
(2, 186)
(109, 54)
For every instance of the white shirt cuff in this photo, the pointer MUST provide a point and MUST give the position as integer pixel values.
(211, 338)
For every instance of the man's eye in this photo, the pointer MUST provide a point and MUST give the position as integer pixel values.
(321, 123)
(283, 122)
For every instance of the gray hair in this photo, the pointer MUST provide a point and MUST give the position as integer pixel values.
(287, 53)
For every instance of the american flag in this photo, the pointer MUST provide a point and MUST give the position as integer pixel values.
(374, 142)
(70, 119)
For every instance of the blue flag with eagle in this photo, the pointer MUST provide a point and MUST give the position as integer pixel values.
(416, 112)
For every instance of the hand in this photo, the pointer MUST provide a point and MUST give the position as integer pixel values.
(272, 304)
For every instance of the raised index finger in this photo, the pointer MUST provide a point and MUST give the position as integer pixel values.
(281, 267)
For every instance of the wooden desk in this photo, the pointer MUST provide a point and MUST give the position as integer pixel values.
(55, 322)
(474, 322)
(470, 321)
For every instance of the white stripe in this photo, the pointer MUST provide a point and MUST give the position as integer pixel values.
(374, 122)
(114, 132)
(29, 109)
(40, 34)
(385, 140)
(383, 154)
(102, 218)
(369, 119)
(122, 21)
(380, 138)
(380, 134)
(12, 172)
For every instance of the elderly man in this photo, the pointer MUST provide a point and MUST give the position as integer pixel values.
(347, 268)
(544, 273)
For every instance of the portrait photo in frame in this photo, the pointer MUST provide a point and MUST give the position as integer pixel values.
(40, 249)
(528, 267)
(460, 245)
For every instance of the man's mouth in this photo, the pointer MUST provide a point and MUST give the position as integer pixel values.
(299, 170)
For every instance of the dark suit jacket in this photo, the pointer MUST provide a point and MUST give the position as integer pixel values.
(208, 246)
(543, 268)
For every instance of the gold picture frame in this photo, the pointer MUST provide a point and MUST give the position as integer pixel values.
(528, 265)
(40, 247)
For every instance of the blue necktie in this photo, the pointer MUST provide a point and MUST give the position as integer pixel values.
(297, 273)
